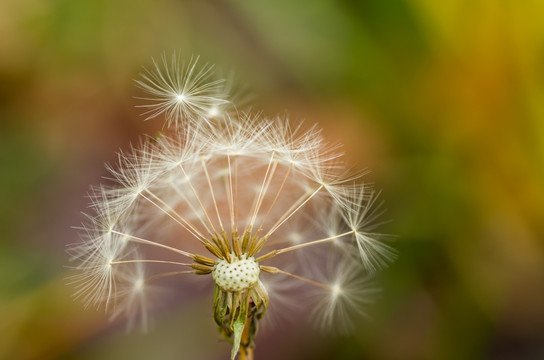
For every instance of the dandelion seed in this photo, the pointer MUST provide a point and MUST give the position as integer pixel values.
(230, 200)
(346, 298)
(180, 90)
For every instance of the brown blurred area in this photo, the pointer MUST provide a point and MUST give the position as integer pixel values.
(442, 100)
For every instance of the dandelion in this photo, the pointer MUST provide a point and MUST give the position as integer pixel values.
(231, 201)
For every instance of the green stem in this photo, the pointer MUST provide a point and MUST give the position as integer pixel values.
(246, 352)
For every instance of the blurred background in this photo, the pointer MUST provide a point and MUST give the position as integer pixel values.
(442, 100)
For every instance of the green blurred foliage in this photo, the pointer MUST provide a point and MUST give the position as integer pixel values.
(443, 100)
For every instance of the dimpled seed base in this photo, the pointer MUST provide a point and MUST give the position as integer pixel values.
(238, 275)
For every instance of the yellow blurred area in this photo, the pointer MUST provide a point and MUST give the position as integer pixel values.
(442, 100)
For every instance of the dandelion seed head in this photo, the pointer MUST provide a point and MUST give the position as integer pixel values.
(228, 200)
